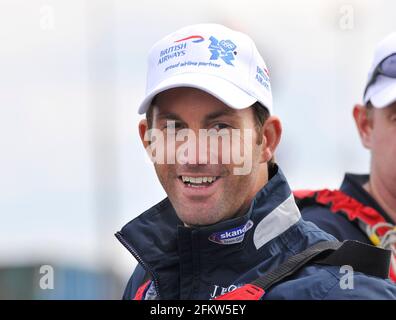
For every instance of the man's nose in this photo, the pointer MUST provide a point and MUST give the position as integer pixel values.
(195, 149)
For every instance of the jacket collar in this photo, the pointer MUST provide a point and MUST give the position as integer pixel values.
(353, 187)
(175, 254)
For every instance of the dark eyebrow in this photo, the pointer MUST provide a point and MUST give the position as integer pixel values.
(218, 114)
(209, 117)
(168, 115)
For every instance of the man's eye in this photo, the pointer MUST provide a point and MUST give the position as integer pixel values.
(220, 126)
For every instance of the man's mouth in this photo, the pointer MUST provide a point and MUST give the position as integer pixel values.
(198, 182)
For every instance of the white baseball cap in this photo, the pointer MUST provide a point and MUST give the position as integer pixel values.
(380, 88)
(212, 58)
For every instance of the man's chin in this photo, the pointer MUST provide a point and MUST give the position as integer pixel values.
(197, 224)
(199, 217)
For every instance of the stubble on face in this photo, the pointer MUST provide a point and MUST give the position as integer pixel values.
(230, 195)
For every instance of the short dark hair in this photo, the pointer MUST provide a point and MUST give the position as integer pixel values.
(261, 114)
(369, 109)
(149, 114)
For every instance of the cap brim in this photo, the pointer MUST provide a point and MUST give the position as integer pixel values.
(220, 88)
(382, 93)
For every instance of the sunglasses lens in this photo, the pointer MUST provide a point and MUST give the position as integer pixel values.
(388, 66)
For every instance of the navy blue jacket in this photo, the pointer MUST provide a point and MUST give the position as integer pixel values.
(338, 224)
(196, 263)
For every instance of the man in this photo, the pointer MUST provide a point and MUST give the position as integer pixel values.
(230, 216)
(364, 208)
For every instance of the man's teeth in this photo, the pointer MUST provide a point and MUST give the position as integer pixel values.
(198, 180)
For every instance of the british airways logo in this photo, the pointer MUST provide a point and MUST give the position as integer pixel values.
(231, 236)
(262, 76)
(178, 49)
(195, 39)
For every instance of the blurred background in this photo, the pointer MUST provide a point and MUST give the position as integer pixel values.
(72, 169)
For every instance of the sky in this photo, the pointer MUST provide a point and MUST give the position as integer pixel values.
(72, 73)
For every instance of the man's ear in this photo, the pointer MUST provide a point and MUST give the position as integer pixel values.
(272, 132)
(364, 123)
(143, 127)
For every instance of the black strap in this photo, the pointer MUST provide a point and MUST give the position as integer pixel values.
(360, 256)
(294, 263)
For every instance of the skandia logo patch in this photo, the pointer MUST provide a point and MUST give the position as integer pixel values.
(231, 236)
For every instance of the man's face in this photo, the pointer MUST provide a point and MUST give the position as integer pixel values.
(383, 144)
(228, 195)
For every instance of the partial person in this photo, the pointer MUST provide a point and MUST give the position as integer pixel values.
(229, 227)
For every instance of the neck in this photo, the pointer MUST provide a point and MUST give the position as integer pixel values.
(382, 194)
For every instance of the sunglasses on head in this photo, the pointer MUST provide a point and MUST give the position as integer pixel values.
(387, 68)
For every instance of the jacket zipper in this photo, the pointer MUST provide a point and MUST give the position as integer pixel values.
(140, 260)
